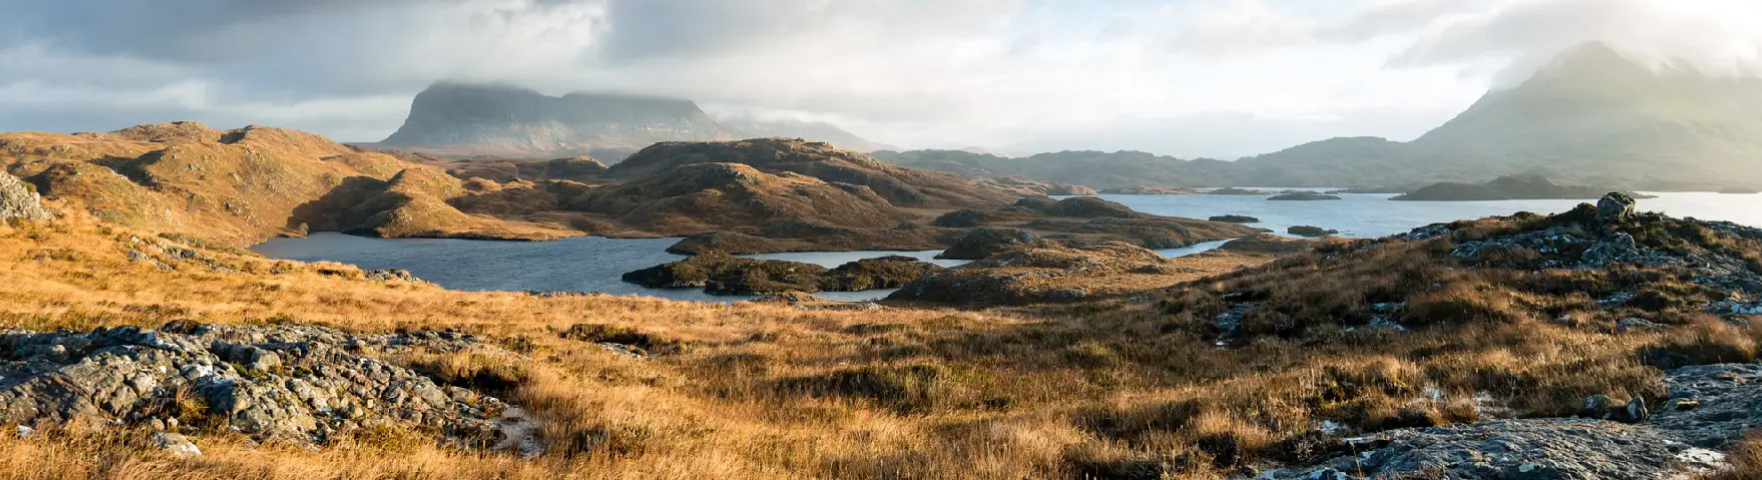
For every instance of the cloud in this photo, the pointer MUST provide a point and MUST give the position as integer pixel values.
(1713, 34)
(1232, 76)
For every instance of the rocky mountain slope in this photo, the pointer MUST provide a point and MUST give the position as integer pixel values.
(502, 122)
(1592, 117)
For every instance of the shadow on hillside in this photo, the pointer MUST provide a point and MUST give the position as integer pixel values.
(345, 208)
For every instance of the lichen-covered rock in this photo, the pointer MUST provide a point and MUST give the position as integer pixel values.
(1711, 407)
(299, 384)
(19, 201)
(1615, 208)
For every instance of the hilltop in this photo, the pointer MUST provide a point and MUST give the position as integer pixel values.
(507, 122)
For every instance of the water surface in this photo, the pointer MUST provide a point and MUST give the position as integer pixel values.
(594, 264)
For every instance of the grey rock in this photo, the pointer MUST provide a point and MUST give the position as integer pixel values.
(300, 384)
(19, 201)
(176, 445)
(1614, 208)
(388, 275)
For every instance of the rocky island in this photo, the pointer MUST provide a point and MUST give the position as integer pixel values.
(1515, 187)
(1302, 196)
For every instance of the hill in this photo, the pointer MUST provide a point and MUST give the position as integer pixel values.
(904, 187)
(503, 122)
(1591, 117)
(1389, 356)
(1514, 187)
(242, 186)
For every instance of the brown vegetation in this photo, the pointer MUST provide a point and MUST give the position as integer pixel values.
(1115, 389)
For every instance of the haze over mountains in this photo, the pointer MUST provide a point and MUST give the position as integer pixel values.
(458, 119)
(1594, 116)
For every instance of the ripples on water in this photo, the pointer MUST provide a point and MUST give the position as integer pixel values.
(594, 264)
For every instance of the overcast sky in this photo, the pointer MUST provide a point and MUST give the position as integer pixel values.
(1219, 78)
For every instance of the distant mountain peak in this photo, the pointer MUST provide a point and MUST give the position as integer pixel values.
(1592, 60)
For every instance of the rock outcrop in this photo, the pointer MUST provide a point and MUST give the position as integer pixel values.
(19, 200)
(1709, 408)
(299, 384)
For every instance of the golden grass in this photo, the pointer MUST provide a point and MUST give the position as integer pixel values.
(768, 391)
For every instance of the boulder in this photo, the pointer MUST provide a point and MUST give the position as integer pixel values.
(985, 242)
(176, 445)
(18, 200)
(1615, 207)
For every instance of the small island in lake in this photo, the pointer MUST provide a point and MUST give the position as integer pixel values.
(1311, 231)
(1511, 187)
(1302, 196)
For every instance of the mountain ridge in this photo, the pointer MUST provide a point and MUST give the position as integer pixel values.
(458, 119)
(1593, 116)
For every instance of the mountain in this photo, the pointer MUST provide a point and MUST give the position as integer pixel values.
(499, 121)
(464, 119)
(1592, 116)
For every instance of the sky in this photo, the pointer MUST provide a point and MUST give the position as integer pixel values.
(1191, 78)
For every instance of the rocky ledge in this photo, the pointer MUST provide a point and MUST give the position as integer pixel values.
(18, 200)
(299, 385)
(1708, 408)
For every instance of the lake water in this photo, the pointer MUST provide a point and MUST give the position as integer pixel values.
(594, 264)
(1374, 215)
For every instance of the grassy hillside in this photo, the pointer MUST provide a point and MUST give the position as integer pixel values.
(242, 186)
(1131, 387)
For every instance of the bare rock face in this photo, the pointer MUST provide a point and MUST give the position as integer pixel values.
(18, 200)
(297, 384)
